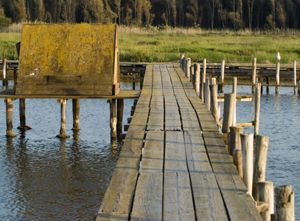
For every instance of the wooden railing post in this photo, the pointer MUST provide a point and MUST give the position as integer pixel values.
(222, 77)
(202, 81)
(187, 68)
(285, 203)
(260, 162)
(214, 107)
(207, 97)
(197, 78)
(257, 108)
(247, 151)
(254, 67)
(234, 91)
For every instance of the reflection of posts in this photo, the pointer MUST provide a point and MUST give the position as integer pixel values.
(113, 118)
(63, 119)
(9, 118)
(22, 112)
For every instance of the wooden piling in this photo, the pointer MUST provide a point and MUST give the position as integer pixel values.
(9, 118)
(197, 78)
(113, 118)
(222, 77)
(238, 161)
(63, 119)
(181, 61)
(257, 108)
(247, 152)
(267, 85)
(120, 110)
(254, 74)
(4, 73)
(22, 115)
(285, 203)
(207, 97)
(202, 81)
(235, 138)
(266, 194)
(76, 114)
(277, 77)
(188, 70)
(234, 91)
(295, 76)
(228, 113)
(260, 162)
(192, 75)
(214, 107)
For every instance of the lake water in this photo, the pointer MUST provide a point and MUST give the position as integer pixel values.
(43, 178)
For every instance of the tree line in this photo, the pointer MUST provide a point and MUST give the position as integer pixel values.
(232, 14)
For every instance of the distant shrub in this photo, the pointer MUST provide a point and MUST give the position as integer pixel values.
(4, 22)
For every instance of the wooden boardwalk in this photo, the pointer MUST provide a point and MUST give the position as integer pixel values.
(174, 164)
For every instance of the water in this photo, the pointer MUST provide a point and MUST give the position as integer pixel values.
(280, 120)
(43, 178)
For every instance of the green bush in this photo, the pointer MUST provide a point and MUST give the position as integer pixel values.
(4, 22)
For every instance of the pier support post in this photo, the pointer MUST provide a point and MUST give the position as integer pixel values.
(295, 76)
(260, 162)
(113, 118)
(9, 118)
(63, 119)
(120, 106)
(266, 194)
(202, 81)
(76, 114)
(4, 73)
(234, 91)
(247, 151)
(188, 68)
(192, 75)
(257, 108)
(254, 67)
(214, 100)
(207, 93)
(277, 77)
(228, 113)
(22, 113)
(234, 140)
(267, 85)
(222, 77)
(181, 61)
(197, 78)
(285, 203)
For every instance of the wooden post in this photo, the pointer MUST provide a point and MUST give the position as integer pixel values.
(277, 77)
(266, 194)
(222, 77)
(76, 114)
(4, 73)
(22, 114)
(197, 78)
(247, 151)
(63, 119)
(238, 161)
(257, 108)
(228, 113)
(120, 110)
(234, 91)
(202, 81)
(235, 138)
(113, 118)
(188, 70)
(214, 100)
(260, 162)
(254, 67)
(207, 93)
(182, 61)
(267, 85)
(9, 118)
(285, 203)
(295, 77)
(192, 75)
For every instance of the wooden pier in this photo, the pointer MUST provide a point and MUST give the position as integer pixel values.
(174, 164)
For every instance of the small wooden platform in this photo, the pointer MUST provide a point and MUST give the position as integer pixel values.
(174, 164)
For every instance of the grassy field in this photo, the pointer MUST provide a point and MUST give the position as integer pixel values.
(153, 45)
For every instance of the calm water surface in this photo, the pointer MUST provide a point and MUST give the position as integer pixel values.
(43, 178)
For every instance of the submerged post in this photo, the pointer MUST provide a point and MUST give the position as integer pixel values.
(260, 162)
(76, 114)
(63, 119)
(285, 203)
(247, 151)
(228, 113)
(257, 108)
(22, 114)
(266, 194)
(9, 118)
(120, 106)
(254, 67)
(113, 118)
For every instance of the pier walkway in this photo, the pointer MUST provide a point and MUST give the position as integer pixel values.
(174, 164)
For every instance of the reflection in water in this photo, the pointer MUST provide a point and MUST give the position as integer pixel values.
(45, 178)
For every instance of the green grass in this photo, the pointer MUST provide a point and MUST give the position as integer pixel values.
(152, 45)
